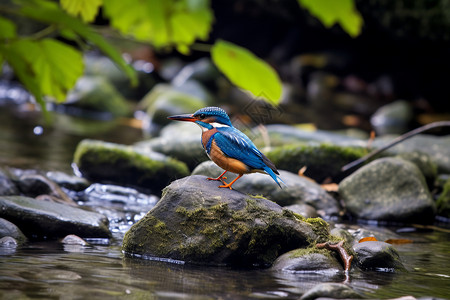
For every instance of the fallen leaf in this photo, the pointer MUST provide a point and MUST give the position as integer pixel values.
(368, 239)
(398, 241)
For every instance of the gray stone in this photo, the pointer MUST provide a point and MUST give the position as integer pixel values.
(47, 219)
(388, 189)
(67, 181)
(7, 186)
(380, 256)
(197, 222)
(305, 210)
(437, 147)
(296, 190)
(34, 185)
(331, 290)
(97, 94)
(306, 261)
(392, 118)
(9, 229)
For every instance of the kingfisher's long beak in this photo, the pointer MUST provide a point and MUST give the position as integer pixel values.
(185, 117)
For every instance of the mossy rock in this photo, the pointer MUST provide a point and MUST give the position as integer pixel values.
(295, 189)
(164, 100)
(443, 201)
(197, 222)
(94, 93)
(114, 163)
(322, 161)
(310, 260)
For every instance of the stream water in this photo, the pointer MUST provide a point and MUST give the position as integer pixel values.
(51, 270)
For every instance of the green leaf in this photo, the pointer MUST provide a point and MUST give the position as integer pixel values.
(247, 71)
(23, 71)
(50, 13)
(330, 12)
(51, 65)
(164, 23)
(7, 29)
(87, 9)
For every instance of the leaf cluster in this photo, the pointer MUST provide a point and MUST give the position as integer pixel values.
(49, 68)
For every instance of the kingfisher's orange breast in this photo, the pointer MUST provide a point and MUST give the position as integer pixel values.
(227, 163)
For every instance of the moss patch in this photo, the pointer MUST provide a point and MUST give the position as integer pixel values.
(107, 162)
(153, 231)
(324, 160)
(443, 201)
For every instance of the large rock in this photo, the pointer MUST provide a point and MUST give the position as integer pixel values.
(296, 190)
(388, 189)
(113, 163)
(47, 219)
(197, 222)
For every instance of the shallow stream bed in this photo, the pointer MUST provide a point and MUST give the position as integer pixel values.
(52, 270)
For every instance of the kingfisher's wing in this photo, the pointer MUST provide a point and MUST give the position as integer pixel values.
(235, 144)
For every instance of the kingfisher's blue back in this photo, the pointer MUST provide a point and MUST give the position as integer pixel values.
(228, 147)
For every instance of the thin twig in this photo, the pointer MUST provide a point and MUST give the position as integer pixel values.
(395, 142)
(346, 258)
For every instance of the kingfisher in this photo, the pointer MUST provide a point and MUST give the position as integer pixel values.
(228, 147)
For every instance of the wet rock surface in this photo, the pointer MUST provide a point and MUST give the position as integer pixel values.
(331, 291)
(388, 189)
(296, 190)
(113, 163)
(39, 218)
(197, 222)
(375, 255)
(306, 261)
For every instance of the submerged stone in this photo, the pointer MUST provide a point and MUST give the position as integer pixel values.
(114, 163)
(40, 218)
(197, 222)
(295, 190)
(331, 291)
(388, 189)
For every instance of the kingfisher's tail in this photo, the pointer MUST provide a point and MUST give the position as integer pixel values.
(274, 176)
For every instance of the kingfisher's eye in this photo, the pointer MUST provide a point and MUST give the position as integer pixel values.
(201, 116)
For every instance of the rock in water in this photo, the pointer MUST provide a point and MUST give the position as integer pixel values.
(47, 219)
(123, 165)
(197, 222)
(388, 189)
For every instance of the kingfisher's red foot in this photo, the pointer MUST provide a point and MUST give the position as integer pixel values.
(228, 185)
(220, 178)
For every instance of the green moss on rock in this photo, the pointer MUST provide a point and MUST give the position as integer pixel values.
(209, 225)
(443, 201)
(322, 161)
(107, 162)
